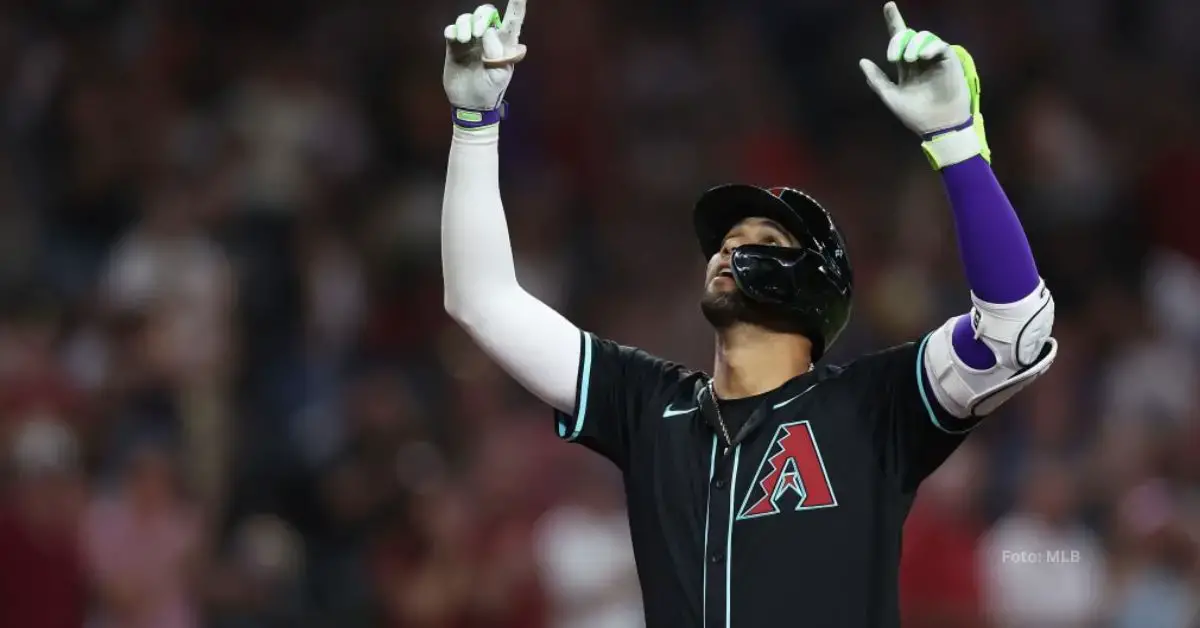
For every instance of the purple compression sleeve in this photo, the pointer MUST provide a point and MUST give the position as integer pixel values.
(995, 252)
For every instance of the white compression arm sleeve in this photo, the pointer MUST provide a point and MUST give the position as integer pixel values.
(535, 344)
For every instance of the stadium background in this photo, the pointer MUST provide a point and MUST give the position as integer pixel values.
(229, 396)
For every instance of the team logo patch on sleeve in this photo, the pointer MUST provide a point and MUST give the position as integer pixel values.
(791, 475)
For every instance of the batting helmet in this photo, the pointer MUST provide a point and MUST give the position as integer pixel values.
(813, 282)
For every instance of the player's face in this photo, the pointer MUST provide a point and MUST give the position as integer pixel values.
(723, 304)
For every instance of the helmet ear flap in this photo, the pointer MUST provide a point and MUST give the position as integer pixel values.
(822, 233)
(796, 281)
(767, 274)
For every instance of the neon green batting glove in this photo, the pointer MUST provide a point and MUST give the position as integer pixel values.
(937, 94)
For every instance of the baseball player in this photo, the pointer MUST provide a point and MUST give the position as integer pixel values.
(771, 491)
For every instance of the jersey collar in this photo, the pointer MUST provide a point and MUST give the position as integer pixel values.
(781, 397)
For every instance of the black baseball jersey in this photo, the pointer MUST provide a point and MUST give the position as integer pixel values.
(799, 523)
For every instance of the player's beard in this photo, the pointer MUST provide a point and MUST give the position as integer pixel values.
(726, 309)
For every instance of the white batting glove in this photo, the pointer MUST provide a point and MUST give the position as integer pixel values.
(937, 94)
(481, 51)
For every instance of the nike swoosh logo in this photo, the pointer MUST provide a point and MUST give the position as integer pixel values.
(670, 412)
(784, 403)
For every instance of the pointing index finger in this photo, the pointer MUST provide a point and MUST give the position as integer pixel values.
(891, 15)
(514, 17)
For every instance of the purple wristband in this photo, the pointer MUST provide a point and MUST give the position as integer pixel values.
(965, 125)
(476, 119)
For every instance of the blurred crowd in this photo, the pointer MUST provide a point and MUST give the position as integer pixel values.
(229, 396)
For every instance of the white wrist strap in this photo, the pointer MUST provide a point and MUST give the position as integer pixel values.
(953, 147)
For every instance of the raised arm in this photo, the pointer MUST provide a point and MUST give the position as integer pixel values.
(978, 360)
(531, 341)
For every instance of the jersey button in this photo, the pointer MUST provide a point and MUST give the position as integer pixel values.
(717, 557)
(719, 484)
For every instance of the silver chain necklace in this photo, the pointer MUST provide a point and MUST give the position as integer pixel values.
(712, 394)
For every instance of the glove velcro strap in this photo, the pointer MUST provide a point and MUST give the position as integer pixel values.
(476, 119)
(952, 147)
